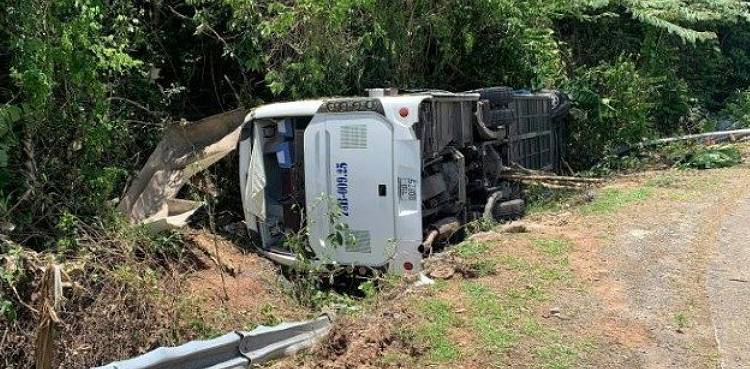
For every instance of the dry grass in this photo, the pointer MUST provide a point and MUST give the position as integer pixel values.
(126, 302)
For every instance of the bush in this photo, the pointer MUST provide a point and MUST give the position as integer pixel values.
(705, 157)
(454, 45)
(614, 106)
(673, 96)
(737, 111)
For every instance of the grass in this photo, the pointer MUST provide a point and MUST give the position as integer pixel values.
(504, 314)
(708, 183)
(540, 199)
(490, 318)
(502, 320)
(538, 271)
(663, 181)
(532, 328)
(557, 356)
(552, 247)
(440, 318)
(196, 320)
(484, 267)
(269, 315)
(520, 297)
(611, 199)
(471, 248)
(681, 320)
(480, 225)
(680, 188)
(506, 317)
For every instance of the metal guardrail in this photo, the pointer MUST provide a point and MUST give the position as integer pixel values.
(238, 349)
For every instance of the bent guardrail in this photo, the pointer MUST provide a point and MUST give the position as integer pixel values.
(238, 349)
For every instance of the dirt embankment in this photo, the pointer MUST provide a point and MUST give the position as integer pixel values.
(122, 304)
(619, 282)
(616, 280)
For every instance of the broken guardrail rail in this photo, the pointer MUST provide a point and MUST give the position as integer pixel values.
(238, 349)
(717, 135)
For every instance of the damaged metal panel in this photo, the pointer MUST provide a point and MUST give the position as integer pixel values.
(445, 121)
(185, 150)
(234, 350)
(531, 143)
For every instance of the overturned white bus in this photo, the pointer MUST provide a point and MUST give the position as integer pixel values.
(402, 171)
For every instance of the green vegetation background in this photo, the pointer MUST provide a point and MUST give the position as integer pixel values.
(87, 86)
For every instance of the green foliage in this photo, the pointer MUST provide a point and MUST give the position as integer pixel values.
(67, 55)
(541, 199)
(166, 243)
(315, 48)
(613, 107)
(673, 99)
(688, 52)
(706, 157)
(673, 16)
(738, 110)
(611, 199)
(482, 267)
(312, 276)
(7, 310)
(368, 288)
(87, 85)
(66, 227)
(677, 155)
(480, 225)
(270, 316)
(12, 275)
(477, 263)
(471, 248)
(434, 334)
(10, 116)
(681, 321)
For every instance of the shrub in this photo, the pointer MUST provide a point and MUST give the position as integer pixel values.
(738, 110)
(351, 45)
(705, 157)
(613, 106)
(673, 97)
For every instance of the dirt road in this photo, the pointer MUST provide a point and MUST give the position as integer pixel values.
(728, 285)
(670, 288)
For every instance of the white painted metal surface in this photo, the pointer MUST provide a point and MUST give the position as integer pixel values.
(285, 109)
(350, 158)
(349, 163)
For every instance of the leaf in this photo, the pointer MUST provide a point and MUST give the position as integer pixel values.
(686, 34)
(276, 87)
(200, 29)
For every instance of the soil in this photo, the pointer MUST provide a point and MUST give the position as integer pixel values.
(727, 284)
(250, 287)
(658, 283)
(645, 268)
(655, 284)
(193, 301)
(362, 340)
